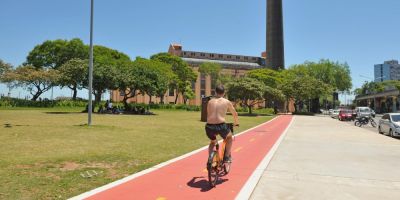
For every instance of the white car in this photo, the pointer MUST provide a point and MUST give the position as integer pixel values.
(389, 124)
(335, 114)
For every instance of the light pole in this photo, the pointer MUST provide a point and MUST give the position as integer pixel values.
(90, 65)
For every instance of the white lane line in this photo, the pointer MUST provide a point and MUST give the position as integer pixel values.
(251, 183)
(151, 169)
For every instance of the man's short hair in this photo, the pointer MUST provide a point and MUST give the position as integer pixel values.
(220, 89)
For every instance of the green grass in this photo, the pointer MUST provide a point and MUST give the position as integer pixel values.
(44, 151)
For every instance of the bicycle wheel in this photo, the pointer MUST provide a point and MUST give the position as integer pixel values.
(212, 168)
(227, 165)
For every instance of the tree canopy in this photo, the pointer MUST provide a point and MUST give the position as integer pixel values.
(108, 66)
(247, 91)
(184, 73)
(54, 53)
(73, 74)
(36, 81)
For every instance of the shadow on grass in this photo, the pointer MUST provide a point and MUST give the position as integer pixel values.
(10, 125)
(62, 113)
(253, 114)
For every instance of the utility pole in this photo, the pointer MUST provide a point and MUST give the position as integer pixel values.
(90, 65)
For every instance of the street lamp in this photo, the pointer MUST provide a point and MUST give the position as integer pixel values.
(90, 65)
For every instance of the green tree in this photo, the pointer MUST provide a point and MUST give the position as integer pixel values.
(184, 73)
(155, 77)
(108, 66)
(213, 70)
(272, 79)
(269, 77)
(300, 86)
(189, 93)
(72, 74)
(36, 81)
(247, 91)
(145, 76)
(4, 69)
(54, 53)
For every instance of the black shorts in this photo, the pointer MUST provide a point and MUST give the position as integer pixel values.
(212, 130)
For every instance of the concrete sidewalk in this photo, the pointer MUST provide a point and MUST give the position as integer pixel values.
(322, 158)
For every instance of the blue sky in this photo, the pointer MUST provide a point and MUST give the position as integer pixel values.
(359, 32)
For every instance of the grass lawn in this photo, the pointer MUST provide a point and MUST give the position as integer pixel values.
(44, 151)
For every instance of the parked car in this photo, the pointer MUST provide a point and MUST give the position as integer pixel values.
(389, 124)
(363, 112)
(373, 113)
(345, 115)
(335, 114)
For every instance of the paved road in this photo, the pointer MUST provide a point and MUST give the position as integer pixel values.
(322, 158)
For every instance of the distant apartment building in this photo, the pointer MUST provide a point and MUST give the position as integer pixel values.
(389, 70)
(235, 65)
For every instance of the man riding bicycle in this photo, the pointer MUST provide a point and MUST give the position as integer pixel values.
(216, 112)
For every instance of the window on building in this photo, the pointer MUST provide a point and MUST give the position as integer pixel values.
(193, 54)
(171, 92)
(246, 58)
(220, 56)
(237, 57)
(203, 84)
(184, 53)
(253, 58)
(193, 85)
(202, 54)
(229, 56)
(212, 55)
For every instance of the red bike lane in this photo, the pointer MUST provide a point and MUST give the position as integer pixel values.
(187, 178)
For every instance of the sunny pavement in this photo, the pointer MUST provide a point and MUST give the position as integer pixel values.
(323, 158)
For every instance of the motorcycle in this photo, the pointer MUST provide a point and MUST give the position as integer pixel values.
(360, 121)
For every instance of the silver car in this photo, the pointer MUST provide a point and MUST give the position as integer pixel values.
(389, 124)
(363, 112)
(335, 114)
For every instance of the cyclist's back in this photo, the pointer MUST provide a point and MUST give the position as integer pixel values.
(216, 110)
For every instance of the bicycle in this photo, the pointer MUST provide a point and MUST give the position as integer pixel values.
(215, 163)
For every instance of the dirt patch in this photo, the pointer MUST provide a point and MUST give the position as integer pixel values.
(70, 166)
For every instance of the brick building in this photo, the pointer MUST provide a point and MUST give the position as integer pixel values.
(236, 65)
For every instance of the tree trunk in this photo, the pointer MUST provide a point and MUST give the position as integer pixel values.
(250, 111)
(176, 98)
(162, 99)
(149, 99)
(287, 106)
(36, 96)
(315, 105)
(75, 94)
(125, 101)
(97, 97)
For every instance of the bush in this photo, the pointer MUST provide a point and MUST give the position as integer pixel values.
(66, 102)
(268, 111)
(14, 102)
(137, 106)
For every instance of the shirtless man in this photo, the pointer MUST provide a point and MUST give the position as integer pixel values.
(216, 111)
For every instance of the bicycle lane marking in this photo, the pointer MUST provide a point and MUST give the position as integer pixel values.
(184, 179)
